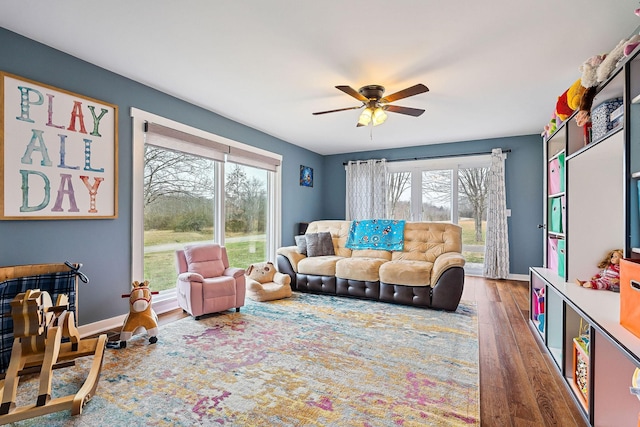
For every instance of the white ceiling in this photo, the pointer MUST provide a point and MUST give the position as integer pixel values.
(494, 68)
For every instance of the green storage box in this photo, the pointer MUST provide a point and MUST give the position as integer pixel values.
(555, 215)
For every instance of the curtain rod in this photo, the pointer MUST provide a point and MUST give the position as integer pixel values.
(433, 157)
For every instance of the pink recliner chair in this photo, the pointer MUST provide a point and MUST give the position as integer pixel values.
(206, 284)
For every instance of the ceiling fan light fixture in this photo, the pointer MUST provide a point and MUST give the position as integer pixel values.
(365, 117)
(379, 116)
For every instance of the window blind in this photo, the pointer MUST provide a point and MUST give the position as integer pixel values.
(249, 158)
(177, 140)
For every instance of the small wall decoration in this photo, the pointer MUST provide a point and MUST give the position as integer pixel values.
(58, 153)
(306, 176)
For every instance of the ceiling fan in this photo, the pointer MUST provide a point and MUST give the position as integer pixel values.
(376, 105)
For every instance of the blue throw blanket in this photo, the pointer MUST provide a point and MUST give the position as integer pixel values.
(382, 234)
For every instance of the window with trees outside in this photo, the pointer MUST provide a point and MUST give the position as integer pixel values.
(446, 189)
(192, 193)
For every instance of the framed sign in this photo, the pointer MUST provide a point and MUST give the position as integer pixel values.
(58, 153)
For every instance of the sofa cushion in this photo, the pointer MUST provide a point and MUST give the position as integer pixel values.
(359, 268)
(425, 241)
(319, 244)
(319, 266)
(301, 242)
(371, 253)
(406, 272)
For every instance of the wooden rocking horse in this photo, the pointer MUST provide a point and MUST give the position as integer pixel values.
(141, 314)
(38, 329)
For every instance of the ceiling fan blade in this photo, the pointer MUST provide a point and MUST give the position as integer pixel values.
(335, 111)
(351, 91)
(415, 112)
(405, 93)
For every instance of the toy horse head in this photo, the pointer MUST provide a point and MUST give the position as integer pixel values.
(140, 296)
(141, 314)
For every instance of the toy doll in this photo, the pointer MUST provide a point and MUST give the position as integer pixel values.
(609, 277)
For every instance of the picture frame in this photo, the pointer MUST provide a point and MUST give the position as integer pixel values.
(58, 153)
(306, 176)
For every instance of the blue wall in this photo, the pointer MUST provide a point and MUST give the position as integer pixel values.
(523, 176)
(104, 246)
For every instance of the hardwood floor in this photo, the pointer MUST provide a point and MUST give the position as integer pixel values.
(519, 383)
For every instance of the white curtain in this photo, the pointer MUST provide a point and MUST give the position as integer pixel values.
(496, 257)
(366, 189)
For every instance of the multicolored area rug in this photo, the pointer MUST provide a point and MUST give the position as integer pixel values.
(310, 360)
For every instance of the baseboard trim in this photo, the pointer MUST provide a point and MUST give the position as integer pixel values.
(116, 322)
(516, 277)
(98, 327)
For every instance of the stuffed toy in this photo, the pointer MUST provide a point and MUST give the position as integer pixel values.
(265, 283)
(589, 82)
(551, 127)
(632, 44)
(567, 103)
(609, 275)
(611, 61)
(141, 314)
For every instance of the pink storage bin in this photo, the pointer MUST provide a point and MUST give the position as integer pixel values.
(552, 254)
(554, 176)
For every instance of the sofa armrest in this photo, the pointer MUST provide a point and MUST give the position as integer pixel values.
(443, 263)
(190, 277)
(292, 254)
(233, 272)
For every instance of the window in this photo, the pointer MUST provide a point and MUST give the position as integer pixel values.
(245, 214)
(191, 186)
(446, 189)
(437, 195)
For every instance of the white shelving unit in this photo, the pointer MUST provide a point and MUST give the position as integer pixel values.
(602, 213)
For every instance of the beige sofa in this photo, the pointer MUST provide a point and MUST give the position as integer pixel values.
(428, 272)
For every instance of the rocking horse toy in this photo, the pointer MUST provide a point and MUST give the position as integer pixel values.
(141, 314)
(38, 329)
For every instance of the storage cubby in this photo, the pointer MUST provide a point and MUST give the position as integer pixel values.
(554, 331)
(581, 370)
(595, 210)
(537, 290)
(613, 353)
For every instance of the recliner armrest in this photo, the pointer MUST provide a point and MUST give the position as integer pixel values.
(443, 263)
(190, 277)
(233, 272)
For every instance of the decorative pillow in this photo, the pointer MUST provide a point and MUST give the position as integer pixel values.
(301, 241)
(319, 244)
